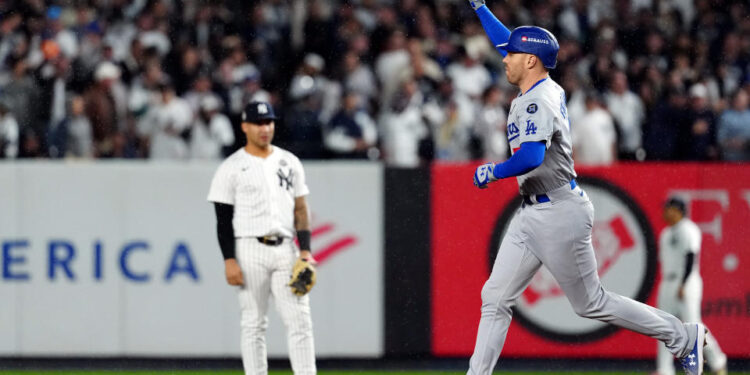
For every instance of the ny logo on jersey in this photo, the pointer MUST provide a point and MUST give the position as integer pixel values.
(287, 179)
(530, 127)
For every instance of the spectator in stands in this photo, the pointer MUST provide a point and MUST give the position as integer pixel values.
(101, 109)
(53, 78)
(734, 129)
(468, 75)
(593, 135)
(359, 78)
(20, 93)
(667, 122)
(9, 133)
(403, 128)
(212, 135)
(49, 51)
(351, 133)
(144, 92)
(79, 139)
(201, 88)
(422, 68)
(699, 140)
(302, 130)
(451, 115)
(575, 94)
(169, 124)
(390, 64)
(491, 126)
(628, 112)
(310, 81)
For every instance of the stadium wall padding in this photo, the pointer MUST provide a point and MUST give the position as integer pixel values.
(124, 255)
(467, 226)
(121, 259)
(407, 262)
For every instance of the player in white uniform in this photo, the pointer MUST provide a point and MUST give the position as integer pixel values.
(259, 195)
(553, 226)
(681, 288)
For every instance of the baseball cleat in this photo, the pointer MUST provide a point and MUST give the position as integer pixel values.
(722, 371)
(693, 362)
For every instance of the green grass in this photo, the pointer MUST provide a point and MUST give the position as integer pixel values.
(19, 372)
(321, 373)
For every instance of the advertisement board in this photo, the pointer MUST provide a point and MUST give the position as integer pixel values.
(122, 259)
(467, 226)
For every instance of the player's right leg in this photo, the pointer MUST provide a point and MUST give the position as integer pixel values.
(564, 246)
(514, 267)
(254, 258)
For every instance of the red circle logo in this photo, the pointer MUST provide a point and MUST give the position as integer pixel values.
(524, 38)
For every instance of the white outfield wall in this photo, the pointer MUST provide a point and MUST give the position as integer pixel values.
(121, 259)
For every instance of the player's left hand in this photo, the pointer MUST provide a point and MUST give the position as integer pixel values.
(484, 175)
(303, 276)
(476, 4)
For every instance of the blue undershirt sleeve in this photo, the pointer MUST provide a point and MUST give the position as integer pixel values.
(495, 30)
(526, 159)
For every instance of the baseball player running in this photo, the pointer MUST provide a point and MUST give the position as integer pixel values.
(259, 195)
(681, 287)
(553, 226)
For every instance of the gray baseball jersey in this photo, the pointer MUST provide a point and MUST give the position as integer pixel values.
(540, 115)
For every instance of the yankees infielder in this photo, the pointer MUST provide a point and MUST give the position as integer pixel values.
(554, 225)
(681, 287)
(259, 195)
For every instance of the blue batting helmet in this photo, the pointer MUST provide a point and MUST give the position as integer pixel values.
(536, 41)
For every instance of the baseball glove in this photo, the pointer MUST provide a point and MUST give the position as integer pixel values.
(303, 277)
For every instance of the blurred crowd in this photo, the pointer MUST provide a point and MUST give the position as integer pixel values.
(404, 81)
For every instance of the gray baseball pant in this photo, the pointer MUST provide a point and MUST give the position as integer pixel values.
(558, 235)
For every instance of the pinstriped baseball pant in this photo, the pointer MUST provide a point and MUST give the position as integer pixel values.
(689, 309)
(266, 270)
(558, 235)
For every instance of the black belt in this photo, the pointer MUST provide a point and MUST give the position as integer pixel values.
(543, 198)
(270, 240)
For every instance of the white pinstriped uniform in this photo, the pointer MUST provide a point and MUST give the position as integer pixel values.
(675, 242)
(263, 193)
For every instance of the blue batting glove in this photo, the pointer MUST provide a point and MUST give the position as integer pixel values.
(484, 175)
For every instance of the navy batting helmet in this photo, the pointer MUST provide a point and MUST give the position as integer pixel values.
(536, 41)
(677, 203)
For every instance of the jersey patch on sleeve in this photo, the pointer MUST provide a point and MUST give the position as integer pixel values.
(532, 108)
